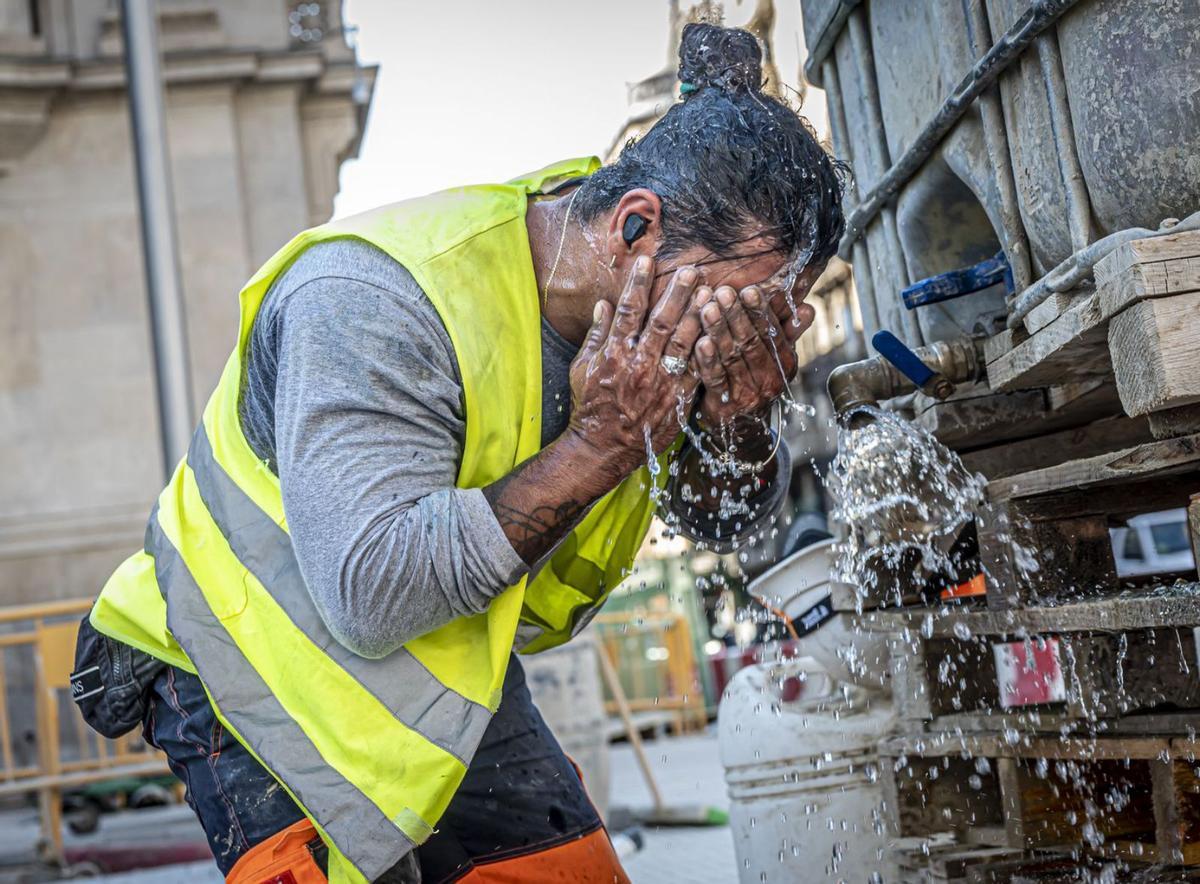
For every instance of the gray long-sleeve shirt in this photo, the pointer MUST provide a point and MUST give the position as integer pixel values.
(352, 394)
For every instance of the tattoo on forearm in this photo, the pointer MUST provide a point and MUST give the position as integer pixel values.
(538, 504)
(536, 532)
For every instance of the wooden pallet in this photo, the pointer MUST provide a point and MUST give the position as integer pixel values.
(1090, 665)
(1132, 798)
(1135, 324)
(1058, 518)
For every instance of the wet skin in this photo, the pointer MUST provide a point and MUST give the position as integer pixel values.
(728, 315)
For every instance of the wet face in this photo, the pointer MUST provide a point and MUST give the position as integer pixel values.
(755, 260)
(756, 263)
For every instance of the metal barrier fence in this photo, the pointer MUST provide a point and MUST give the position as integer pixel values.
(653, 656)
(45, 746)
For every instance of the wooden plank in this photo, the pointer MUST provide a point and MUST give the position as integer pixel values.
(1099, 437)
(1049, 310)
(909, 679)
(1155, 350)
(1152, 459)
(1177, 605)
(1037, 867)
(1148, 268)
(1010, 800)
(1169, 825)
(1099, 392)
(999, 344)
(1194, 526)
(1050, 722)
(981, 417)
(929, 744)
(954, 865)
(973, 421)
(986, 836)
(1145, 251)
(1172, 422)
(1069, 348)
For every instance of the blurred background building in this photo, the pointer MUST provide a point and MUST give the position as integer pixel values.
(263, 101)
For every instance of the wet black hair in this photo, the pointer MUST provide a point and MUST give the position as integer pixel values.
(728, 161)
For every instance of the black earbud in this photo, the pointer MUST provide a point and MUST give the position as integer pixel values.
(633, 229)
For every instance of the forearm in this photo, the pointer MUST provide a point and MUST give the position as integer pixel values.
(539, 502)
(416, 568)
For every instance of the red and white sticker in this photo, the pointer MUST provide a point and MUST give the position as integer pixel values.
(1029, 673)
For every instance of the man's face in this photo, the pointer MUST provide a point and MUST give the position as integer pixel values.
(757, 263)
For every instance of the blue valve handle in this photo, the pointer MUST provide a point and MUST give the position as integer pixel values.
(959, 282)
(906, 361)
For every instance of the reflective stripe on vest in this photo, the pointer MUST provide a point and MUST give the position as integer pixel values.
(352, 820)
(399, 681)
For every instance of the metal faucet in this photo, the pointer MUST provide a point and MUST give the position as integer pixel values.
(935, 369)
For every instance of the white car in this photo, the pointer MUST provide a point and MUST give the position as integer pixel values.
(1153, 543)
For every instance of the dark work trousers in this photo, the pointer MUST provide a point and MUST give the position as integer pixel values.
(521, 794)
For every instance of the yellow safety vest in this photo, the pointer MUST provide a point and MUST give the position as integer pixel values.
(372, 750)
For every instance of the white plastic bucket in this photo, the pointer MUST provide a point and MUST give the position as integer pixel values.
(801, 587)
(806, 804)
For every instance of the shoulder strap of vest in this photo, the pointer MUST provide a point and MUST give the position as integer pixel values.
(551, 176)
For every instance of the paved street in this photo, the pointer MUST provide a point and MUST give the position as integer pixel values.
(688, 773)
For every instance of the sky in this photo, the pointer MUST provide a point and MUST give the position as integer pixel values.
(482, 90)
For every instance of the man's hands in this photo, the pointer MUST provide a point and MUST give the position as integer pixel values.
(620, 389)
(747, 355)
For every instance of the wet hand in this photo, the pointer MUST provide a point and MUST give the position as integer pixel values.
(746, 356)
(623, 398)
(793, 315)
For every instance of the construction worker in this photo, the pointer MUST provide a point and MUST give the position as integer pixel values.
(440, 438)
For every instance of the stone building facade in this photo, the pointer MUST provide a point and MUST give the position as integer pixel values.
(264, 100)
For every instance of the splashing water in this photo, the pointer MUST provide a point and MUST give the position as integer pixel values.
(905, 497)
(656, 493)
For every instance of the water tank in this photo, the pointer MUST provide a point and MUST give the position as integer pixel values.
(806, 803)
(1091, 129)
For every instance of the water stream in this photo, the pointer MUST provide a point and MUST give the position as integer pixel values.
(904, 496)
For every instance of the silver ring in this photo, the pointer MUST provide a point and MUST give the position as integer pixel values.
(674, 365)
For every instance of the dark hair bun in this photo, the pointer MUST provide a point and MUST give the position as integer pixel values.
(728, 58)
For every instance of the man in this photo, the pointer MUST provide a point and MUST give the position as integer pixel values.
(441, 437)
